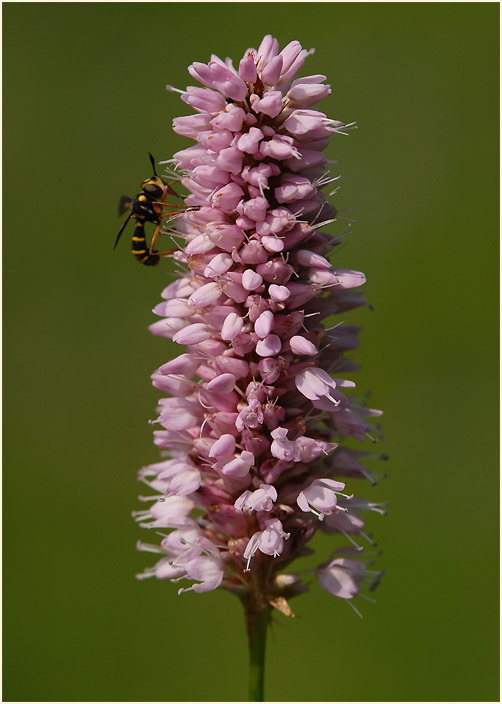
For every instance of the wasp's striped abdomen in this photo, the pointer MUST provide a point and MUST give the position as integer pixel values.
(140, 248)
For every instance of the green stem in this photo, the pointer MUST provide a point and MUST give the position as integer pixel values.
(257, 622)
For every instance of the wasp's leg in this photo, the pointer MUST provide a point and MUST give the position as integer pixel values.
(167, 205)
(175, 205)
(154, 240)
(169, 216)
(168, 251)
(176, 213)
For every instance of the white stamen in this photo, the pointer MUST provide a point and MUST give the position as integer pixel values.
(202, 426)
(341, 217)
(146, 574)
(138, 515)
(349, 126)
(337, 403)
(351, 540)
(323, 223)
(370, 541)
(317, 215)
(365, 596)
(147, 547)
(319, 515)
(172, 89)
(202, 403)
(354, 608)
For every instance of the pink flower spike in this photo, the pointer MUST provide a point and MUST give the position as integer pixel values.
(256, 410)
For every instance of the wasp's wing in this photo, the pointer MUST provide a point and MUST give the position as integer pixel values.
(122, 230)
(124, 204)
(172, 191)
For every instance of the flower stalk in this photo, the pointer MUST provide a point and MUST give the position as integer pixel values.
(257, 407)
(257, 621)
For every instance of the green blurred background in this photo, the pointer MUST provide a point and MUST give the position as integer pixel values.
(84, 102)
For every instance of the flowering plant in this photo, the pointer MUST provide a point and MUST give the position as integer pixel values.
(258, 405)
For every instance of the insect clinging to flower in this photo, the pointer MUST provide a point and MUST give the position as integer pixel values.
(147, 206)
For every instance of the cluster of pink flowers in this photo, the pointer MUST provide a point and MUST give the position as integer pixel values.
(257, 406)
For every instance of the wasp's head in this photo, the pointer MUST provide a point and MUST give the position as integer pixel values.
(154, 187)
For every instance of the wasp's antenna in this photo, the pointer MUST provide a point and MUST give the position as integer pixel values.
(153, 163)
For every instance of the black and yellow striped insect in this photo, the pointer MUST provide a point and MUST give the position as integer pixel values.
(147, 207)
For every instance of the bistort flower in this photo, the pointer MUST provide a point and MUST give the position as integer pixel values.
(257, 408)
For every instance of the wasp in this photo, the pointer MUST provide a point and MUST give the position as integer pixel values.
(147, 207)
